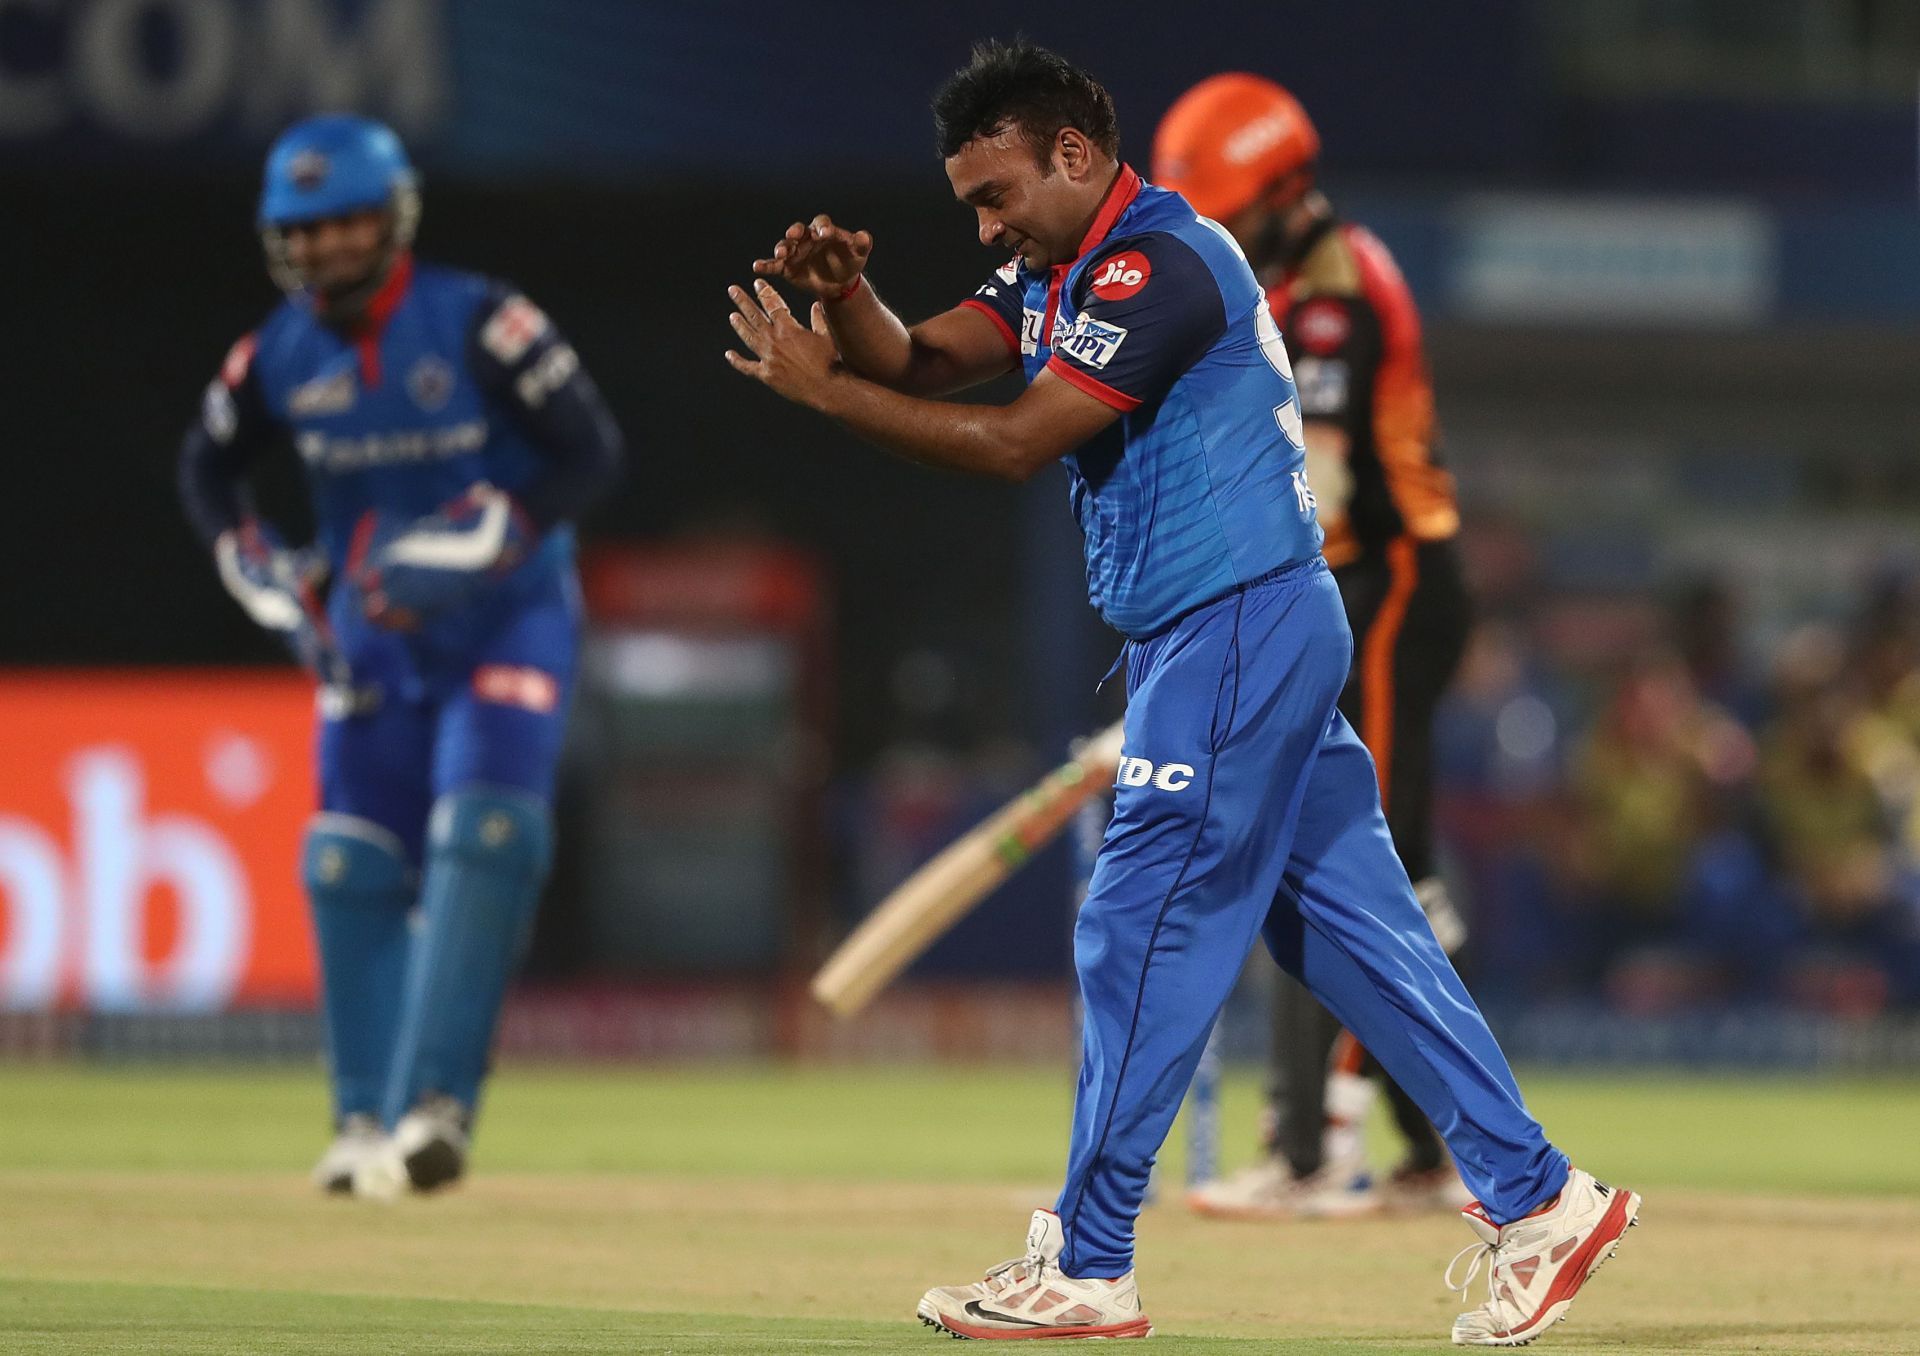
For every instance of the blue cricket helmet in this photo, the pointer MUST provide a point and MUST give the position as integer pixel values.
(330, 165)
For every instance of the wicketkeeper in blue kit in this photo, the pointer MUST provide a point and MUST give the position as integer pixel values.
(1156, 372)
(449, 437)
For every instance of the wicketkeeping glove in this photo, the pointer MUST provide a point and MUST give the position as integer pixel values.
(407, 571)
(279, 590)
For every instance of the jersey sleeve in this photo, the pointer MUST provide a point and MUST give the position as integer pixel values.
(530, 371)
(1401, 404)
(1144, 313)
(998, 298)
(234, 427)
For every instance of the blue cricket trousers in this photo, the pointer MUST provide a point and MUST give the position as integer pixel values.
(1246, 805)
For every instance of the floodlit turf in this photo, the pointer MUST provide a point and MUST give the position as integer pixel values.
(762, 1210)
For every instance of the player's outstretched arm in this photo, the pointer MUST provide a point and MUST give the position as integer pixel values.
(1010, 442)
(950, 352)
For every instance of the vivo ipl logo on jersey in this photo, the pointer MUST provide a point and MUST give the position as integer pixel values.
(1093, 342)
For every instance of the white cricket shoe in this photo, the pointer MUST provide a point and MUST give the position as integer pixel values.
(357, 1138)
(1028, 1297)
(1535, 1266)
(427, 1150)
(1342, 1189)
(1409, 1190)
(1268, 1190)
(1262, 1190)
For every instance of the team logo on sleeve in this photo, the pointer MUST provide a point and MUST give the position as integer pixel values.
(430, 382)
(511, 330)
(1121, 276)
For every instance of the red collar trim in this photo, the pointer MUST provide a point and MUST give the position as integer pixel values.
(1120, 195)
(373, 321)
(393, 291)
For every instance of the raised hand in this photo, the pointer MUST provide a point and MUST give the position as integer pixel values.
(796, 360)
(818, 257)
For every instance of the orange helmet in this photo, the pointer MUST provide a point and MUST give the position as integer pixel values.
(1229, 137)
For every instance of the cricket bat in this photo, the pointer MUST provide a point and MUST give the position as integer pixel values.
(939, 894)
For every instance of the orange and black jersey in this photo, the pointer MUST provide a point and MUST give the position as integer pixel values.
(1353, 336)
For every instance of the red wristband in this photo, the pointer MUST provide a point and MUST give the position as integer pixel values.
(851, 287)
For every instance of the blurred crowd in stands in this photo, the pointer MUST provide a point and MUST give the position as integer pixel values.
(1687, 813)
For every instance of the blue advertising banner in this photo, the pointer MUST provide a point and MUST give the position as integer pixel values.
(648, 87)
(646, 93)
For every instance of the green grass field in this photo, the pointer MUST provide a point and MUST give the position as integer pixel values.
(776, 1210)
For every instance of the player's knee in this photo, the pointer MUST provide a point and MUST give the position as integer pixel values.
(350, 860)
(1092, 935)
(507, 832)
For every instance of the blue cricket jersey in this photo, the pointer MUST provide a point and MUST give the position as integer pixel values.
(449, 380)
(1201, 485)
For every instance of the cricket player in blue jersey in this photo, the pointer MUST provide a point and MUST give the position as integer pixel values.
(449, 437)
(1246, 806)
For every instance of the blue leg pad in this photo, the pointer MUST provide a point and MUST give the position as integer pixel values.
(488, 849)
(361, 888)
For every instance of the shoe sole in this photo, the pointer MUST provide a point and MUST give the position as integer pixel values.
(434, 1164)
(1605, 1247)
(933, 1318)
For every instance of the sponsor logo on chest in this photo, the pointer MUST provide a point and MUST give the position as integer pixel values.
(342, 454)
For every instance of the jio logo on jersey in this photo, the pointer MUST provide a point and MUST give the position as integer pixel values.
(1122, 276)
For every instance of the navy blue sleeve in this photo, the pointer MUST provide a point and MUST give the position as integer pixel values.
(998, 298)
(1144, 312)
(233, 429)
(532, 373)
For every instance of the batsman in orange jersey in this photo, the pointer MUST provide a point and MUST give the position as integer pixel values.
(1242, 150)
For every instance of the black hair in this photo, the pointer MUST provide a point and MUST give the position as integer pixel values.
(1016, 83)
